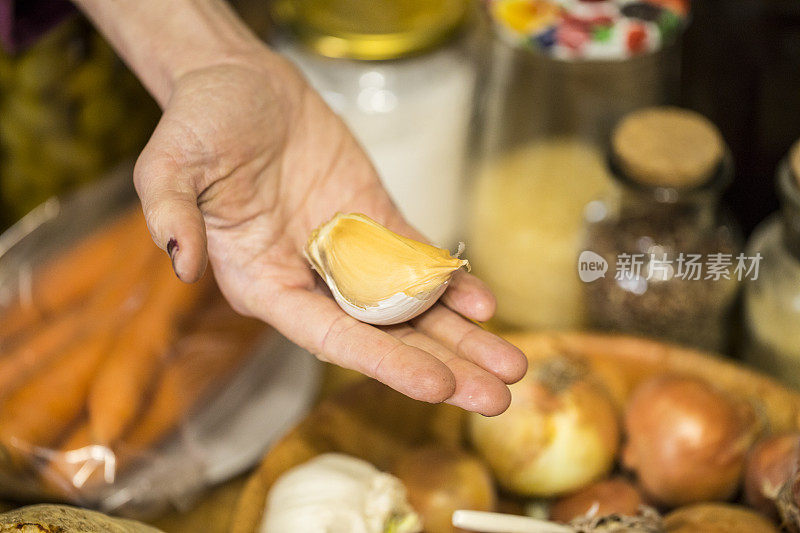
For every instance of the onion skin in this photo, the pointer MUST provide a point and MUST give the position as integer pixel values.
(788, 502)
(717, 518)
(770, 464)
(610, 496)
(686, 440)
(440, 480)
(560, 433)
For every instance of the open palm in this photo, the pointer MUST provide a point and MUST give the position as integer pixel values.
(245, 162)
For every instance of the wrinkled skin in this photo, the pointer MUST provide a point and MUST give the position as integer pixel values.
(246, 161)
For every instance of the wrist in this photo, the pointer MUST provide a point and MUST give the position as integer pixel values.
(163, 41)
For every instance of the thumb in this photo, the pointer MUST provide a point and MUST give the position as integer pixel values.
(169, 202)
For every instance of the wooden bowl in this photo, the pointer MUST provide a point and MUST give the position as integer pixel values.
(371, 421)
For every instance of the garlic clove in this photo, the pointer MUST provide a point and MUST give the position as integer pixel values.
(376, 275)
(337, 493)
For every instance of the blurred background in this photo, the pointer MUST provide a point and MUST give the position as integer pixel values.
(69, 109)
(492, 122)
(740, 68)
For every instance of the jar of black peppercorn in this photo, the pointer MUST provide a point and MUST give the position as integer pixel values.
(660, 259)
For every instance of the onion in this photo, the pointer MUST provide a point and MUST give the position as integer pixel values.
(687, 440)
(603, 498)
(769, 465)
(560, 433)
(788, 502)
(717, 518)
(441, 480)
(646, 520)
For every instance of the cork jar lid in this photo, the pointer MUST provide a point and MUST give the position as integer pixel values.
(668, 147)
(794, 161)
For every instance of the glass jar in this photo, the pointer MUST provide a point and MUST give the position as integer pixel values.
(402, 77)
(69, 112)
(772, 300)
(660, 258)
(560, 78)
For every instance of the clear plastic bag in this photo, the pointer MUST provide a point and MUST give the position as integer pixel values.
(122, 388)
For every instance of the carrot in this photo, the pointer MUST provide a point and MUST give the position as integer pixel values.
(72, 274)
(38, 412)
(119, 388)
(122, 383)
(20, 362)
(45, 343)
(203, 359)
(123, 292)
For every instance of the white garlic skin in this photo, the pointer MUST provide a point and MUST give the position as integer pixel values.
(336, 493)
(396, 309)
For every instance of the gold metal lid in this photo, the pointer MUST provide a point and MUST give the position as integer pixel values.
(366, 29)
(668, 147)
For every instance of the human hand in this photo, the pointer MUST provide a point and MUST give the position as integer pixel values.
(250, 158)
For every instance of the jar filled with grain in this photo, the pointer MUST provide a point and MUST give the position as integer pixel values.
(772, 299)
(671, 259)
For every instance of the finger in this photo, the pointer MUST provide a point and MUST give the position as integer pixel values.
(473, 343)
(476, 390)
(316, 323)
(170, 207)
(469, 296)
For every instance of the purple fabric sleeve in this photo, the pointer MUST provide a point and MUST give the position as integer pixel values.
(22, 22)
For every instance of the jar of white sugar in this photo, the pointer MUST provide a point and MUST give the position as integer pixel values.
(402, 76)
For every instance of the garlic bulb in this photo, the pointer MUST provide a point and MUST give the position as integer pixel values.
(336, 493)
(376, 275)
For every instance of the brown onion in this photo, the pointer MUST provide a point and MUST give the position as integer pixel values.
(769, 465)
(560, 433)
(788, 502)
(603, 498)
(441, 480)
(687, 440)
(717, 518)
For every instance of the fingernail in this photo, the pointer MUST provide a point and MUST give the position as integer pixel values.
(172, 249)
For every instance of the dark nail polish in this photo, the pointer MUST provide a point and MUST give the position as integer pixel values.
(172, 247)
